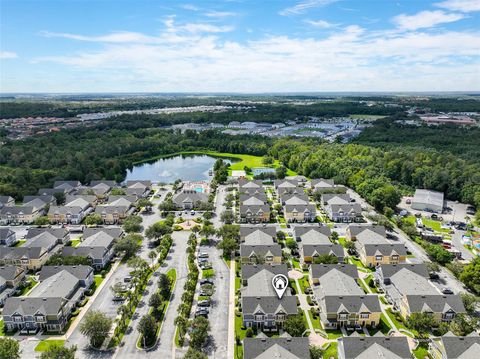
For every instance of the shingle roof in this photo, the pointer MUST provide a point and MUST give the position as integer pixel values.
(250, 269)
(313, 235)
(262, 250)
(59, 285)
(59, 233)
(388, 270)
(32, 305)
(44, 239)
(247, 229)
(336, 198)
(258, 237)
(5, 232)
(318, 270)
(81, 272)
(321, 249)
(190, 196)
(300, 208)
(243, 183)
(280, 348)
(352, 303)
(461, 347)
(337, 282)
(323, 183)
(247, 200)
(386, 249)
(254, 209)
(64, 210)
(435, 303)
(260, 285)
(18, 210)
(107, 209)
(269, 305)
(374, 348)
(346, 208)
(22, 252)
(9, 273)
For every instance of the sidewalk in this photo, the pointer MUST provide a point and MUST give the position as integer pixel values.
(231, 313)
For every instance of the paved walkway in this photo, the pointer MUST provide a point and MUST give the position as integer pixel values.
(231, 313)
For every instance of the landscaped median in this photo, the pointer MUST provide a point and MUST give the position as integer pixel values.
(159, 303)
(44, 345)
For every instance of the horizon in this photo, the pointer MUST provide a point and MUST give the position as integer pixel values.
(243, 46)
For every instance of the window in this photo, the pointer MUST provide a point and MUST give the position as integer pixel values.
(343, 316)
(259, 317)
(269, 258)
(378, 258)
(364, 315)
(17, 319)
(449, 315)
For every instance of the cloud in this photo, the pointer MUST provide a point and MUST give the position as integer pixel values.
(8, 55)
(322, 24)
(460, 5)
(303, 6)
(114, 37)
(190, 7)
(220, 14)
(352, 59)
(199, 27)
(425, 19)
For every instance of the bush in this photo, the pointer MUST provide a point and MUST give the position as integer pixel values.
(249, 333)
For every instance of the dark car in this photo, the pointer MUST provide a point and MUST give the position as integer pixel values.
(118, 298)
(447, 291)
(204, 303)
(434, 276)
(201, 313)
(206, 281)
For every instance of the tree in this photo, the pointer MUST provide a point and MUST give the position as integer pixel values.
(194, 354)
(280, 172)
(439, 254)
(132, 224)
(157, 230)
(9, 348)
(56, 351)
(294, 325)
(334, 236)
(316, 352)
(143, 202)
(59, 197)
(422, 322)
(470, 302)
(281, 236)
(128, 245)
(207, 231)
(325, 259)
(462, 325)
(433, 267)
(227, 217)
(199, 332)
(41, 221)
(350, 247)
(155, 301)
(164, 285)
(152, 255)
(93, 219)
(267, 160)
(292, 245)
(471, 275)
(228, 246)
(96, 326)
(147, 326)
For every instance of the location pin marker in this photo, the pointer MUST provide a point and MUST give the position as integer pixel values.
(280, 284)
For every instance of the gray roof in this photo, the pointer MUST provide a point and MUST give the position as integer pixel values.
(425, 196)
(18, 210)
(135, 183)
(388, 270)
(280, 348)
(269, 305)
(45, 199)
(282, 191)
(32, 305)
(59, 233)
(406, 282)
(5, 199)
(336, 198)
(50, 191)
(103, 183)
(59, 285)
(8, 273)
(66, 184)
(368, 233)
(79, 201)
(81, 272)
(248, 200)
(366, 303)
(321, 249)
(121, 200)
(251, 269)
(374, 348)
(115, 232)
(262, 250)
(94, 252)
(21, 252)
(313, 234)
(260, 284)
(258, 237)
(461, 347)
(87, 197)
(133, 191)
(107, 209)
(247, 229)
(346, 208)
(64, 210)
(258, 192)
(318, 270)
(322, 183)
(5, 232)
(337, 282)
(99, 238)
(435, 303)
(386, 249)
(286, 183)
(45, 240)
(294, 198)
(254, 209)
(243, 183)
(300, 208)
(189, 196)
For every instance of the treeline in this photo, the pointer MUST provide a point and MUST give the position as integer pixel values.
(87, 154)
(381, 175)
(461, 141)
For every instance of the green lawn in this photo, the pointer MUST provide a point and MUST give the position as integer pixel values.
(208, 273)
(398, 323)
(331, 351)
(435, 225)
(31, 283)
(367, 117)
(422, 351)
(45, 344)
(98, 280)
(296, 263)
(2, 329)
(315, 322)
(20, 243)
(334, 333)
(75, 242)
(240, 333)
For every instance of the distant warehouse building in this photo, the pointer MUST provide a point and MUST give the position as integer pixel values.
(425, 200)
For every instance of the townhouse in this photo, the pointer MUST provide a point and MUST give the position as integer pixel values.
(19, 215)
(340, 208)
(407, 288)
(257, 279)
(112, 214)
(29, 258)
(49, 305)
(268, 313)
(10, 278)
(372, 246)
(450, 346)
(7, 237)
(287, 347)
(376, 347)
(67, 186)
(322, 185)
(97, 246)
(6, 201)
(138, 188)
(297, 208)
(259, 254)
(39, 201)
(314, 242)
(342, 302)
(250, 270)
(81, 200)
(286, 184)
(66, 214)
(257, 235)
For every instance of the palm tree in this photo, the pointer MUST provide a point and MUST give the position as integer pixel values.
(152, 255)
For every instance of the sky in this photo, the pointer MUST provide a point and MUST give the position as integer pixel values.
(245, 46)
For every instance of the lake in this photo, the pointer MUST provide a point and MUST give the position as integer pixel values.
(167, 170)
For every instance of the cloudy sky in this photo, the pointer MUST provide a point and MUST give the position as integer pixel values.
(239, 45)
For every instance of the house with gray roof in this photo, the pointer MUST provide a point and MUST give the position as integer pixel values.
(258, 280)
(51, 191)
(263, 347)
(375, 347)
(245, 184)
(257, 235)
(366, 233)
(255, 213)
(287, 190)
(39, 201)
(343, 303)
(83, 201)
(138, 188)
(260, 254)
(190, 199)
(66, 214)
(29, 258)
(269, 230)
(10, 278)
(248, 270)
(335, 198)
(67, 186)
(300, 212)
(318, 270)
(19, 215)
(60, 233)
(310, 253)
(444, 308)
(294, 198)
(312, 234)
(7, 237)
(450, 346)
(345, 213)
(84, 274)
(268, 313)
(121, 200)
(112, 214)
(285, 183)
(322, 184)
(253, 200)
(104, 183)
(6, 201)
(45, 240)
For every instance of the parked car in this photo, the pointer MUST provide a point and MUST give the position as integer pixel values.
(447, 291)
(127, 279)
(206, 281)
(204, 303)
(203, 255)
(192, 213)
(118, 298)
(201, 314)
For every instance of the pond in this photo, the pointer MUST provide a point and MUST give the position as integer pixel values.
(167, 170)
